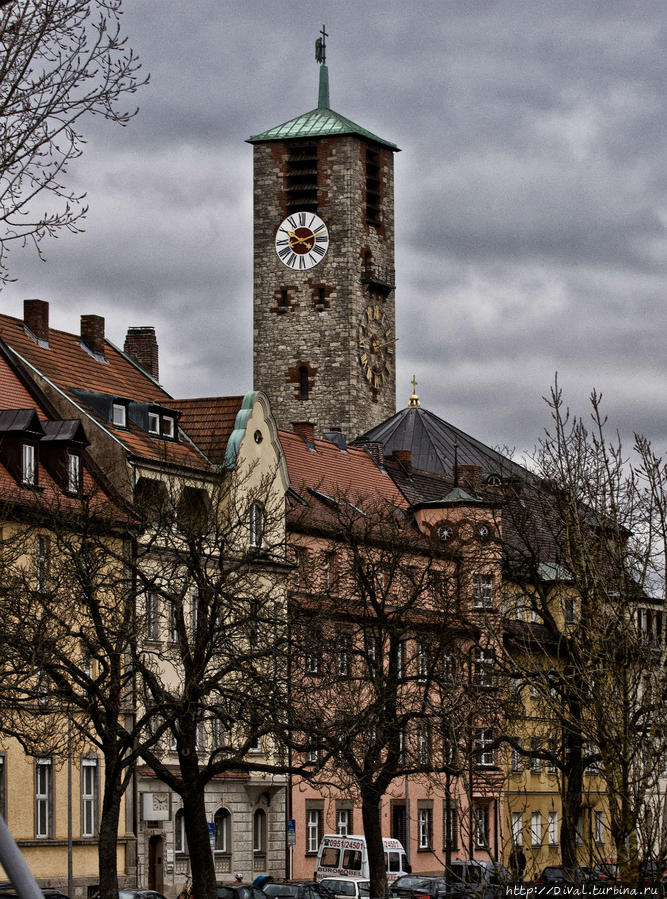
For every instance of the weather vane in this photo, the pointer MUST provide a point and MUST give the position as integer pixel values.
(321, 47)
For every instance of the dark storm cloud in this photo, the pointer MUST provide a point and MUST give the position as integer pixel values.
(531, 195)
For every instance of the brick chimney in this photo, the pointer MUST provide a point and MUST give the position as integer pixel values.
(36, 318)
(471, 476)
(405, 458)
(375, 450)
(141, 345)
(306, 429)
(92, 333)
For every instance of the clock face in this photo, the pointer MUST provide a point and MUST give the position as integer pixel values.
(302, 240)
(376, 346)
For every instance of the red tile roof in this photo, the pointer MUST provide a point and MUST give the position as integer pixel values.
(351, 474)
(209, 421)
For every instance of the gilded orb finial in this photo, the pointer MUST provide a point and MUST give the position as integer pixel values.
(414, 399)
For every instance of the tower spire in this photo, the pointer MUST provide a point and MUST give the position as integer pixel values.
(321, 57)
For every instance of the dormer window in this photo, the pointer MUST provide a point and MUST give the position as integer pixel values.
(73, 472)
(29, 465)
(153, 423)
(168, 426)
(119, 414)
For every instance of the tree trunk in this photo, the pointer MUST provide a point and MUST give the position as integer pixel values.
(199, 844)
(370, 815)
(573, 776)
(107, 859)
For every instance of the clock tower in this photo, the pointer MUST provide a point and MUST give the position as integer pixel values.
(324, 341)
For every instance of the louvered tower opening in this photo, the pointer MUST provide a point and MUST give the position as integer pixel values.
(373, 197)
(302, 178)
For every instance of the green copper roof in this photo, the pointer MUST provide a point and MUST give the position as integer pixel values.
(320, 122)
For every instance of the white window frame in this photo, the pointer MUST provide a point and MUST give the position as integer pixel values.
(484, 665)
(29, 464)
(424, 744)
(486, 758)
(73, 472)
(43, 787)
(313, 816)
(598, 819)
(343, 655)
(517, 758)
(180, 838)
(312, 753)
(168, 426)
(517, 828)
(119, 415)
(422, 662)
(343, 821)
(223, 829)
(153, 423)
(482, 591)
(425, 828)
(152, 617)
(482, 819)
(257, 522)
(552, 825)
(536, 829)
(88, 797)
(259, 832)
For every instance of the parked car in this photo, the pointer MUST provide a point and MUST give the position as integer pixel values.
(347, 887)
(140, 894)
(475, 879)
(239, 891)
(7, 891)
(558, 875)
(293, 890)
(405, 886)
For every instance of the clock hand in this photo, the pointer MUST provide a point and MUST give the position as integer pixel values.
(388, 343)
(294, 239)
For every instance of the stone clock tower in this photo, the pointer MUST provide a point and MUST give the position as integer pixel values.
(323, 236)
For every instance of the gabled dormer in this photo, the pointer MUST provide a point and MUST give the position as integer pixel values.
(61, 449)
(20, 434)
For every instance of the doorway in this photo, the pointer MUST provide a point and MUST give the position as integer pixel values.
(155, 864)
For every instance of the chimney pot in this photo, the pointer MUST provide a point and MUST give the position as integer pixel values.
(306, 429)
(141, 345)
(92, 333)
(36, 318)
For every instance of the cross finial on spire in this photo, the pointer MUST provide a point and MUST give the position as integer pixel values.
(321, 47)
(414, 399)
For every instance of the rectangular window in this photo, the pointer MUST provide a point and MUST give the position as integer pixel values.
(450, 826)
(425, 828)
(400, 660)
(482, 826)
(311, 755)
(553, 828)
(517, 758)
(535, 760)
(536, 829)
(152, 616)
(73, 472)
(3, 786)
(313, 651)
(313, 830)
(153, 423)
(579, 839)
(422, 662)
(173, 621)
(119, 414)
(485, 754)
(483, 671)
(599, 827)
(424, 746)
(344, 821)
(329, 569)
(343, 655)
(551, 765)
(517, 828)
(168, 426)
(29, 469)
(482, 591)
(43, 797)
(88, 797)
(43, 553)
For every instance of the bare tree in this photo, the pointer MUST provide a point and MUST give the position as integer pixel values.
(584, 546)
(392, 671)
(62, 61)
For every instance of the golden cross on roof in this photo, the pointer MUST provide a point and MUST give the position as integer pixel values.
(414, 399)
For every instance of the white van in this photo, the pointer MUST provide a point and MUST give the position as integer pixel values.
(347, 856)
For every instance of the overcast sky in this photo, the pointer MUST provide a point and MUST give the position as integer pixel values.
(531, 195)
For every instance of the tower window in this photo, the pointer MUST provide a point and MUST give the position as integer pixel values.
(301, 178)
(303, 382)
(284, 298)
(373, 187)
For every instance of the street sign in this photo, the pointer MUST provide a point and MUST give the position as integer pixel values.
(291, 832)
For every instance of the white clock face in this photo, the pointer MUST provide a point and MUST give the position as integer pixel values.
(302, 241)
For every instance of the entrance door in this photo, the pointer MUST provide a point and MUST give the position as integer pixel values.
(398, 821)
(155, 865)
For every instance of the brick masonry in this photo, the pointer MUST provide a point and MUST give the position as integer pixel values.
(323, 336)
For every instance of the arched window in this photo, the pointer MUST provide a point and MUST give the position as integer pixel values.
(303, 382)
(223, 830)
(259, 831)
(180, 842)
(256, 525)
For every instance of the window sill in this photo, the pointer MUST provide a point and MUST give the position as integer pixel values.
(425, 849)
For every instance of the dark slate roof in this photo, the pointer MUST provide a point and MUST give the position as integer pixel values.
(431, 442)
(25, 421)
(66, 431)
